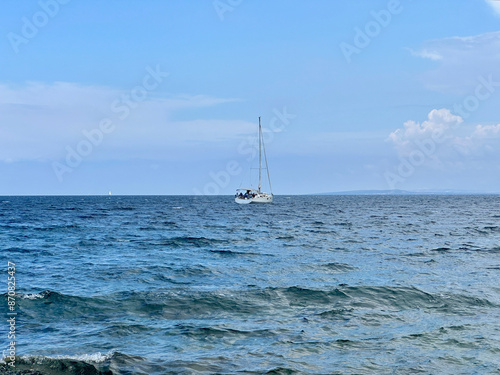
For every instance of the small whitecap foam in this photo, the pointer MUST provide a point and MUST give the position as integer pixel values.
(34, 296)
(88, 358)
(95, 358)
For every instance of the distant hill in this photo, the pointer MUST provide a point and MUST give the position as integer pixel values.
(403, 192)
(369, 192)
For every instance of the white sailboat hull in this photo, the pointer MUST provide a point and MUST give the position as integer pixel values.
(242, 200)
(261, 198)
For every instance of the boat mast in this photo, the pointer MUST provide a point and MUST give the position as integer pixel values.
(260, 155)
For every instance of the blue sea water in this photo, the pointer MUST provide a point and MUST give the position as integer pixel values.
(306, 285)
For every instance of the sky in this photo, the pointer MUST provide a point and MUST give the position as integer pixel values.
(164, 97)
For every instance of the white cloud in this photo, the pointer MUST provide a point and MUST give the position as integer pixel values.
(445, 143)
(40, 120)
(432, 55)
(487, 131)
(483, 141)
(495, 4)
(460, 61)
(452, 48)
(439, 122)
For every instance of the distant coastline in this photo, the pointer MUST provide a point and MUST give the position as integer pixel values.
(407, 192)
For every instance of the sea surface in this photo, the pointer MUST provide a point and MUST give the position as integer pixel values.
(201, 285)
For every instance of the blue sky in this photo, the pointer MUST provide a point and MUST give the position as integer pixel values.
(163, 97)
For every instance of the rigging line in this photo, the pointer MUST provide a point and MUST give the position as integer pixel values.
(267, 167)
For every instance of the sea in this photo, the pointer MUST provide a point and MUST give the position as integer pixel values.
(201, 285)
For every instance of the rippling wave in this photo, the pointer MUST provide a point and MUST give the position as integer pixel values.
(309, 285)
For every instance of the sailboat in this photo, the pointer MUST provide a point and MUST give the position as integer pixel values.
(249, 195)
